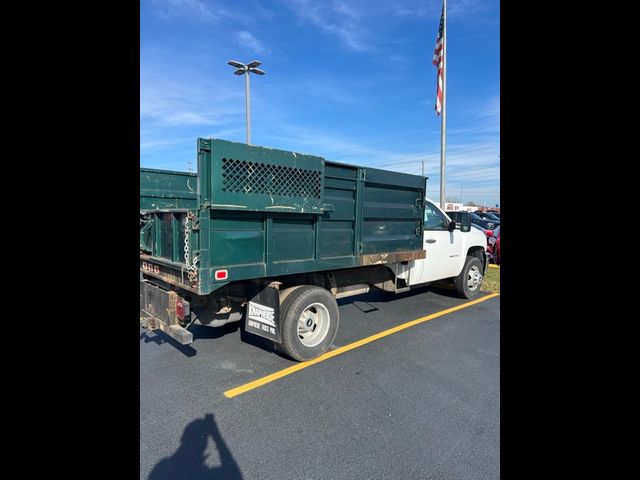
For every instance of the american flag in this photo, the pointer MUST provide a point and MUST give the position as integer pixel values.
(438, 61)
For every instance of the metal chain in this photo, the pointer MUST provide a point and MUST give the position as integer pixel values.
(192, 268)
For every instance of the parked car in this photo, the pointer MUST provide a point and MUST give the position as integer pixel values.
(491, 241)
(478, 220)
(496, 234)
(488, 216)
(486, 231)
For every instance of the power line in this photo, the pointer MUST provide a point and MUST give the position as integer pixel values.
(458, 149)
(391, 148)
(389, 139)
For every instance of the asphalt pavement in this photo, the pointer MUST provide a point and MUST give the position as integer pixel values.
(422, 403)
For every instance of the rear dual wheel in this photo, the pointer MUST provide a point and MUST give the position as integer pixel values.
(309, 322)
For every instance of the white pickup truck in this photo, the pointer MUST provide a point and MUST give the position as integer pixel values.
(454, 251)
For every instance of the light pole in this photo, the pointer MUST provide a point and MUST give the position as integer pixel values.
(243, 69)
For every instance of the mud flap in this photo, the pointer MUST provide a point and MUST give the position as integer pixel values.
(263, 313)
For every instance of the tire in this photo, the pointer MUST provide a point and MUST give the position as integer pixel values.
(309, 322)
(468, 283)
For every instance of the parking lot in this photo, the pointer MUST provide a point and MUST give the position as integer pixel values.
(420, 402)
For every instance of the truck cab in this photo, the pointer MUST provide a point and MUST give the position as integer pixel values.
(447, 245)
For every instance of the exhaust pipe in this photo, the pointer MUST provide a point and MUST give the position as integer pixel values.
(352, 290)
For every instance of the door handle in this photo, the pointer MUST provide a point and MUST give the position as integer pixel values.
(430, 240)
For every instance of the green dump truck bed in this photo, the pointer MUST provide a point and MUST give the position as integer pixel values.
(254, 212)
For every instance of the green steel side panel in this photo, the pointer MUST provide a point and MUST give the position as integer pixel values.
(248, 178)
(293, 239)
(396, 179)
(236, 238)
(164, 189)
(392, 212)
(326, 216)
(337, 228)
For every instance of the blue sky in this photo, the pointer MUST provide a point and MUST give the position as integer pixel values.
(349, 80)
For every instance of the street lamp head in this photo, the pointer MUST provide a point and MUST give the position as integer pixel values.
(257, 70)
(236, 64)
(240, 71)
(254, 64)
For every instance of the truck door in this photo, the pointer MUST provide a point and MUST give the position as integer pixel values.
(442, 246)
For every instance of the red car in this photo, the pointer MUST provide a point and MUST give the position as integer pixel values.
(491, 241)
(496, 233)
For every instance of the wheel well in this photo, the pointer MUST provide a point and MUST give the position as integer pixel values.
(478, 252)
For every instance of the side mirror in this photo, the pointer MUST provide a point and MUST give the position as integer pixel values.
(452, 226)
(465, 222)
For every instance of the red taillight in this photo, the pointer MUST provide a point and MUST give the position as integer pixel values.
(221, 274)
(180, 309)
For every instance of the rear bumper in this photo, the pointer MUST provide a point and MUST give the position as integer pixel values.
(164, 310)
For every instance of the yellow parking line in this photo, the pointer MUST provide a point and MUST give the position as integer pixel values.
(234, 392)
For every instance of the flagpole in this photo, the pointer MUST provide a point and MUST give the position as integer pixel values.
(443, 129)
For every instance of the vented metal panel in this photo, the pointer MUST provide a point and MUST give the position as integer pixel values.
(241, 176)
(235, 176)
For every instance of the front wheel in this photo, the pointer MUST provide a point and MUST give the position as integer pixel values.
(309, 322)
(467, 284)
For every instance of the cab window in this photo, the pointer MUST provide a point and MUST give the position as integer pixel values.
(433, 218)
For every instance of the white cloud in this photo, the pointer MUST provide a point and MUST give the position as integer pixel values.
(246, 39)
(359, 23)
(337, 18)
(151, 145)
(196, 10)
(173, 8)
(172, 104)
(456, 8)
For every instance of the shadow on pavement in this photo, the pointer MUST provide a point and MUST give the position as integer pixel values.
(189, 460)
(376, 295)
(199, 332)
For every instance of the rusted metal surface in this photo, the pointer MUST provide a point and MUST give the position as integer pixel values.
(159, 310)
(382, 258)
(173, 275)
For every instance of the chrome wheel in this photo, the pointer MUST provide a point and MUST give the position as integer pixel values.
(313, 324)
(474, 278)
